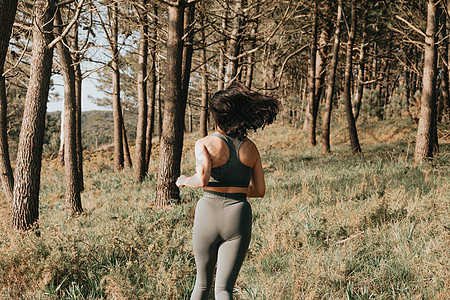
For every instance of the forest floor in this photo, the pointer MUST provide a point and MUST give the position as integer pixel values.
(337, 226)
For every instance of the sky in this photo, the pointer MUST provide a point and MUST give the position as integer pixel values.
(88, 89)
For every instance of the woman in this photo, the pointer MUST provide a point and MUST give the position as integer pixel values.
(229, 170)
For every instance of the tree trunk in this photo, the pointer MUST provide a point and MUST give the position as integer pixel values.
(7, 13)
(61, 139)
(360, 84)
(251, 57)
(353, 134)
(73, 198)
(126, 149)
(444, 70)
(189, 118)
(117, 109)
(311, 123)
(25, 206)
(329, 94)
(204, 83)
(5, 161)
(426, 142)
(221, 67)
(140, 147)
(234, 44)
(446, 108)
(151, 89)
(174, 110)
(188, 29)
(78, 96)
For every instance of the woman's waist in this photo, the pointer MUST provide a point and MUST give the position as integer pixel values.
(236, 193)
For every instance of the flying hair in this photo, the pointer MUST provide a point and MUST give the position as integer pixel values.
(237, 109)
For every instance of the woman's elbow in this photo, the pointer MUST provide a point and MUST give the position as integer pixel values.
(204, 180)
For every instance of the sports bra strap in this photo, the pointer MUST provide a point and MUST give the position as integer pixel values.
(231, 142)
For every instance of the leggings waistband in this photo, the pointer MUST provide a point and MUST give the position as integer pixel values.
(234, 196)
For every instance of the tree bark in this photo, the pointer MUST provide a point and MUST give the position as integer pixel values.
(7, 13)
(73, 198)
(61, 139)
(25, 206)
(78, 114)
(360, 84)
(311, 124)
(174, 110)
(117, 108)
(188, 29)
(204, 83)
(353, 134)
(329, 93)
(444, 70)
(426, 142)
(234, 44)
(140, 146)
(152, 80)
(221, 66)
(126, 150)
(251, 57)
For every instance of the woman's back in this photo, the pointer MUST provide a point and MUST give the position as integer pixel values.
(232, 163)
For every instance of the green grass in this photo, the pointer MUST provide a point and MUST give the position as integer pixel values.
(338, 226)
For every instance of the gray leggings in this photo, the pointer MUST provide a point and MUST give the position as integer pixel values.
(222, 231)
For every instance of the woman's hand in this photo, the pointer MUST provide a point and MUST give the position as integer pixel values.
(181, 180)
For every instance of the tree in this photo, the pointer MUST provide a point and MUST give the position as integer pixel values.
(25, 206)
(152, 83)
(311, 123)
(361, 67)
(73, 198)
(329, 93)
(174, 109)
(7, 12)
(234, 44)
(204, 82)
(140, 167)
(353, 134)
(426, 140)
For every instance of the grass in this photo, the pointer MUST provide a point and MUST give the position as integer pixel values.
(338, 226)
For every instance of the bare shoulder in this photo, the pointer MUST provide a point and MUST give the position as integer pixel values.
(211, 143)
(248, 153)
(216, 148)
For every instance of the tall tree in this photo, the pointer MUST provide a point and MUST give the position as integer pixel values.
(152, 83)
(73, 198)
(311, 123)
(174, 109)
(329, 93)
(7, 12)
(140, 148)
(361, 67)
(353, 134)
(426, 140)
(188, 48)
(222, 49)
(234, 44)
(25, 206)
(204, 81)
(76, 58)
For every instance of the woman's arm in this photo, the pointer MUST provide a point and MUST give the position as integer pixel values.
(257, 187)
(203, 168)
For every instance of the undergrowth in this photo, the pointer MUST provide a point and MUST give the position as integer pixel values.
(337, 226)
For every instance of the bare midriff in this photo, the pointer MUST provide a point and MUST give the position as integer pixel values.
(226, 189)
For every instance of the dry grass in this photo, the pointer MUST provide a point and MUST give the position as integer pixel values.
(336, 226)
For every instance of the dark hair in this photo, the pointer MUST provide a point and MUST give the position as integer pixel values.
(237, 109)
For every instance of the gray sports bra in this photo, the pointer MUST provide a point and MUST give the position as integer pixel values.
(233, 173)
